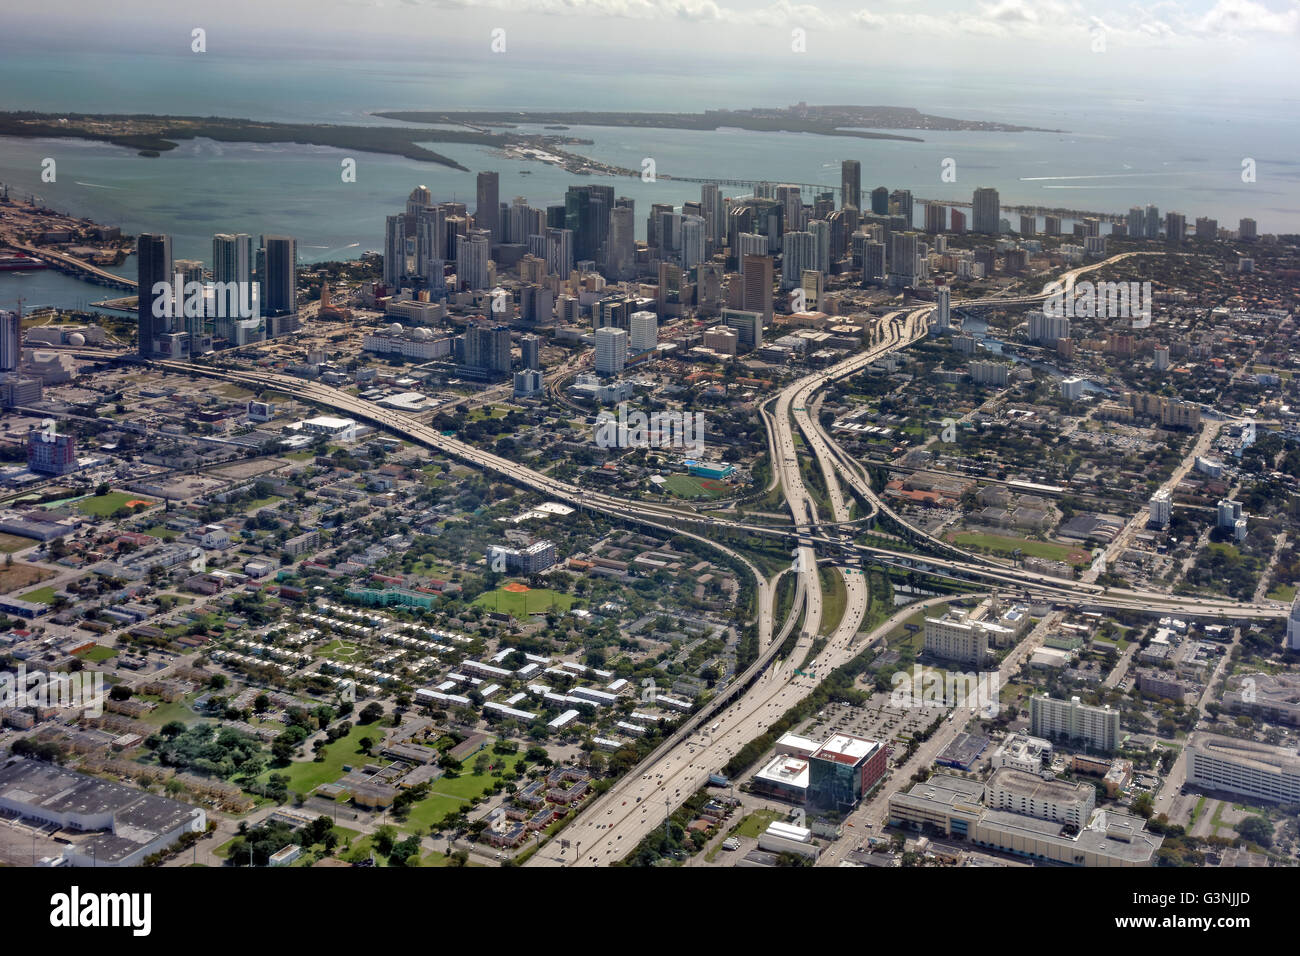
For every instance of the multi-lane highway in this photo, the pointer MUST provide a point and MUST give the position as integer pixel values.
(613, 824)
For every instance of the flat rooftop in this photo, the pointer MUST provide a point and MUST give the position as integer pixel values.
(846, 748)
(787, 770)
(1035, 787)
(1259, 756)
(138, 817)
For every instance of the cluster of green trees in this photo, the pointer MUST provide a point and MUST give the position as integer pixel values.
(204, 749)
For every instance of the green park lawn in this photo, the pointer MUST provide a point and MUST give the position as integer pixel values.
(98, 653)
(43, 595)
(306, 775)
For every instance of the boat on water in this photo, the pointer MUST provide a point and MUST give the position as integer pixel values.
(14, 263)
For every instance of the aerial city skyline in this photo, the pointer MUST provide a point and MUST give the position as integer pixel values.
(436, 468)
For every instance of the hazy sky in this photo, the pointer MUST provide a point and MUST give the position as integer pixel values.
(1221, 45)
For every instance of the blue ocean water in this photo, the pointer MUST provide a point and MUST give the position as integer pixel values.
(1179, 150)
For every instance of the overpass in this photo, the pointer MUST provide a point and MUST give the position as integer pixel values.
(69, 263)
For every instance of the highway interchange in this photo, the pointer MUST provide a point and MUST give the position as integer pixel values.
(611, 825)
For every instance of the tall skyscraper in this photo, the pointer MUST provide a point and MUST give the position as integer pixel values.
(694, 242)
(487, 348)
(941, 317)
(749, 244)
(622, 241)
(821, 233)
(748, 325)
(873, 263)
(799, 253)
(936, 217)
(643, 332)
(900, 202)
(880, 201)
(788, 195)
(153, 253)
(1246, 229)
(902, 258)
(559, 252)
(587, 211)
(851, 183)
(985, 211)
(714, 212)
(1175, 227)
(530, 348)
(487, 212)
(757, 285)
(611, 351)
(280, 284)
(1151, 223)
(11, 343)
(472, 256)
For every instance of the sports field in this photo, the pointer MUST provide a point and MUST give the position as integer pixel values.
(690, 486)
(509, 599)
(104, 505)
(1028, 547)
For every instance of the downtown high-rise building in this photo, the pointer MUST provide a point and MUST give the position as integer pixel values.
(153, 255)
(279, 275)
(1246, 229)
(901, 204)
(232, 257)
(880, 201)
(851, 183)
(747, 324)
(985, 211)
(611, 351)
(694, 242)
(487, 348)
(1175, 227)
(1151, 222)
(902, 258)
(749, 244)
(396, 261)
(234, 261)
(11, 343)
(873, 263)
(788, 195)
(821, 233)
(799, 252)
(643, 332)
(530, 351)
(487, 212)
(757, 278)
(559, 252)
(714, 211)
(936, 217)
(587, 212)
(472, 258)
(621, 254)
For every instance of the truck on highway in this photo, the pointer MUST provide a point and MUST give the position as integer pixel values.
(718, 780)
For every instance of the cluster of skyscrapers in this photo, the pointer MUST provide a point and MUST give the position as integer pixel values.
(250, 295)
